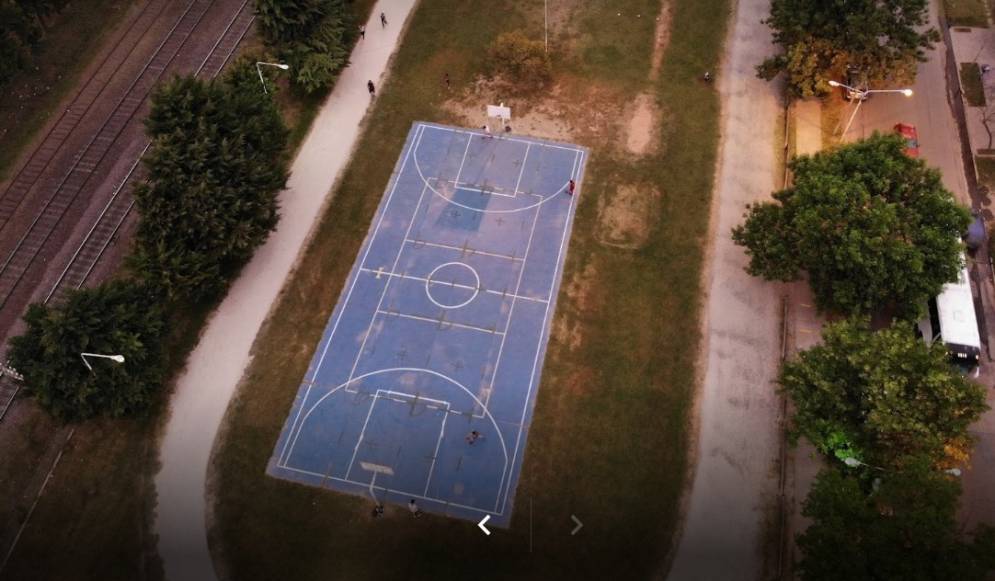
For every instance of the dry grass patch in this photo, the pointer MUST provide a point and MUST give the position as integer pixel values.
(628, 215)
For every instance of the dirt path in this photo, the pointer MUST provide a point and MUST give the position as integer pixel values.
(735, 481)
(216, 365)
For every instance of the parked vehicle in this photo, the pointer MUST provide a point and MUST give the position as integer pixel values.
(911, 138)
(950, 318)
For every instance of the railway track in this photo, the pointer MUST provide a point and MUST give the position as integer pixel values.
(82, 102)
(47, 220)
(120, 203)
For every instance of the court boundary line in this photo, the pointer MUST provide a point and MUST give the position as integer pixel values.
(384, 489)
(546, 327)
(504, 484)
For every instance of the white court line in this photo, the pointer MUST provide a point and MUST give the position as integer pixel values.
(455, 285)
(470, 250)
(345, 304)
(361, 434)
(578, 162)
(515, 139)
(463, 161)
(518, 287)
(436, 322)
(386, 286)
(435, 456)
(522, 172)
(365, 485)
(493, 192)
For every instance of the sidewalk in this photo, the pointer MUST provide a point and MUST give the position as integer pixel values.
(734, 490)
(803, 331)
(978, 502)
(216, 365)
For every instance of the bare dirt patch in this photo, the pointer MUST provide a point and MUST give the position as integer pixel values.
(627, 215)
(661, 39)
(642, 125)
(569, 110)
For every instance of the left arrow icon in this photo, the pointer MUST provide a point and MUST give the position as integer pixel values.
(481, 524)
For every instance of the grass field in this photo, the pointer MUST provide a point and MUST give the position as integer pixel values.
(70, 44)
(967, 12)
(970, 80)
(98, 507)
(609, 436)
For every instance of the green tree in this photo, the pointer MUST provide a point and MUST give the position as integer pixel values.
(872, 227)
(312, 36)
(881, 396)
(119, 317)
(820, 39)
(217, 163)
(895, 525)
(519, 60)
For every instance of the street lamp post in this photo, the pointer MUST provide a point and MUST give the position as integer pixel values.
(115, 358)
(861, 96)
(259, 70)
(853, 463)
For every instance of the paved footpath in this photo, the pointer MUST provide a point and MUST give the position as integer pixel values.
(735, 481)
(216, 365)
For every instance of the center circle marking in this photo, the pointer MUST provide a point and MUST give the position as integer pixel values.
(429, 281)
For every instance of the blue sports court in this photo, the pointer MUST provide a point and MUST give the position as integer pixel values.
(425, 380)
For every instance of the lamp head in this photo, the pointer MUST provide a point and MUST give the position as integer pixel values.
(117, 358)
(852, 462)
(834, 83)
(907, 92)
(285, 67)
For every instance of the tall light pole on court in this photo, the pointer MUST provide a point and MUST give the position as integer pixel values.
(861, 96)
(259, 70)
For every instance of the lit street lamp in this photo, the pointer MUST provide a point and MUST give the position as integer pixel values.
(115, 358)
(259, 70)
(861, 96)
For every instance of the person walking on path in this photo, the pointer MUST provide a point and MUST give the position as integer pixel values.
(371, 89)
(383, 20)
(445, 79)
(413, 507)
(570, 187)
(362, 31)
(378, 510)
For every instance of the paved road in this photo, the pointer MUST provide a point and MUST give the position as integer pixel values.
(940, 145)
(216, 365)
(927, 109)
(735, 482)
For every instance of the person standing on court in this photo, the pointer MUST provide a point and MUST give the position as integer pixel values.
(570, 187)
(383, 20)
(413, 507)
(371, 89)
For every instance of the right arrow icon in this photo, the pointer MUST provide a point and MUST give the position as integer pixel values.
(577, 528)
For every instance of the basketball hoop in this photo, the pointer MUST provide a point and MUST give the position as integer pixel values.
(501, 114)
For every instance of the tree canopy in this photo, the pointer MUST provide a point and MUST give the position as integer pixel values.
(117, 318)
(218, 160)
(881, 396)
(872, 227)
(312, 36)
(894, 525)
(883, 39)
